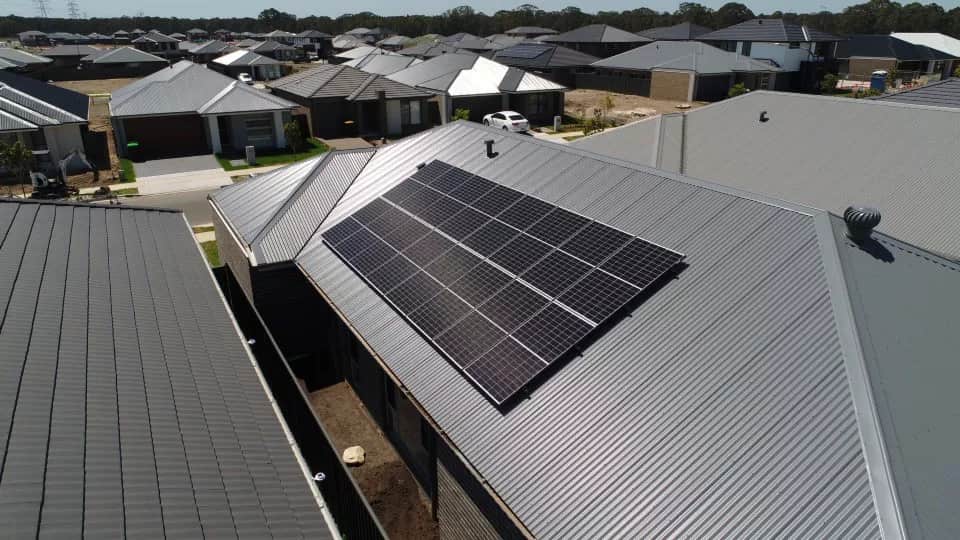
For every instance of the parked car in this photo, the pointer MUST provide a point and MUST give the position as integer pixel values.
(245, 78)
(507, 120)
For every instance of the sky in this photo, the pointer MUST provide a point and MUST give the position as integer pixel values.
(301, 8)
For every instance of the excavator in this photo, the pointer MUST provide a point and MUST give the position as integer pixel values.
(56, 187)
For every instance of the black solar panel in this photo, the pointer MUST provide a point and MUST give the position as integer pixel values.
(438, 258)
(527, 52)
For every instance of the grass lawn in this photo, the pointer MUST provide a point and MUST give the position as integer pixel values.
(126, 191)
(129, 175)
(314, 147)
(573, 137)
(198, 230)
(212, 253)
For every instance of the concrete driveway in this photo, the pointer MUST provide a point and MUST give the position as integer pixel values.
(174, 175)
(158, 167)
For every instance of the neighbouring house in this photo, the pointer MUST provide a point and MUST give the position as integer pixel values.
(428, 50)
(223, 34)
(356, 53)
(860, 55)
(370, 35)
(132, 404)
(121, 36)
(68, 56)
(895, 156)
(678, 71)
(23, 62)
(482, 86)
(548, 60)
(600, 40)
(178, 36)
(280, 36)
(33, 38)
(261, 68)
(122, 62)
(939, 42)
(207, 51)
(67, 38)
(761, 377)
(475, 44)
(945, 93)
(50, 121)
(98, 38)
(344, 42)
(314, 41)
(187, 109)
(247, 43)
(530, 32)
(136, 32)
(383, 64)
(393, 43)
(685, 31)
(347, 102)
(275, 50)
(158, 44)
(196, 34)
(801, 52)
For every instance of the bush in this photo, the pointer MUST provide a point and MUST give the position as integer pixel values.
(956, 72)
(829, 83)
(461, 114)
(737, 90)
(294, 136)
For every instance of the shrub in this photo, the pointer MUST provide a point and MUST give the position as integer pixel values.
(737, 90)
(829, 83)
(461, 114)
(294, 136)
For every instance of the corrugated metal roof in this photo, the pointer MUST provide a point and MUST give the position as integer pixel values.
(239, 97)
(245, 58)
(121, 55)
(770, 31)
(342, 81)
(596, 33)
(542, 55)
(687, 56)
(678, 32)
(70, 50)
(18, 57)
(885, 46)
(360, 52)
(27, 104)
(945, 93)
(941, 42)
(723, 394)
(383, 64)
(129, 403)
(530, 30)
(470, 75)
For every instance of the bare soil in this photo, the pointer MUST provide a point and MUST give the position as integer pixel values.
(402, 508)
(626, 107)
(96, 86)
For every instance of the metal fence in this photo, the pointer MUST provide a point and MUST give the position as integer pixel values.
(350, 510)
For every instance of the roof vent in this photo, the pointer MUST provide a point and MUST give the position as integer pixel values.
(490, 153)
(860, 221)
(421, 165)
(764, 118)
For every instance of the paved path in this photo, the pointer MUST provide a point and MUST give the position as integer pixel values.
(347, 143)
(185, 164)
(184, 181)
(193, 203)
(208, 236)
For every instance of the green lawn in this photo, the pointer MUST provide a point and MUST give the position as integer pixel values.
(212, 253)
(126, 167)
(314, 147)
(126, 191)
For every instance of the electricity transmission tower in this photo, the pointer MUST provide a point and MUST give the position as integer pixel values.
(73, 9)
(41, 6)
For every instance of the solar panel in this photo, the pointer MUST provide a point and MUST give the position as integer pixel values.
(524, 51)
(501, 304)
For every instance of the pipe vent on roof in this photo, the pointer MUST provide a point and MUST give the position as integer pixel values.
(489, 144)
(860, 221)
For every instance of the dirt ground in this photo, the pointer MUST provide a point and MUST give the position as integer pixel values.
(101, 86)
(400, 505)
(625, 107)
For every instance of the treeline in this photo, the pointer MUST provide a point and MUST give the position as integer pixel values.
(872, 17)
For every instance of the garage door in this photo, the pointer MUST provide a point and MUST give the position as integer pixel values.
(168, 136)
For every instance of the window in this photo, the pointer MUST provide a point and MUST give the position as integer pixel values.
(415, 116)
(499, 116)
(410, 113)
(538, 103)
(747, 48)
(259, 130)
(764, 83)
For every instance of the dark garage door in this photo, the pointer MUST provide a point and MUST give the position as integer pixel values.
(168, 136)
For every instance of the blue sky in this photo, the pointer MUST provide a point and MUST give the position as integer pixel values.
(250, 8)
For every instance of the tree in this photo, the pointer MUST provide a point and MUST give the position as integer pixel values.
(294, 136)
(16, 157)
(608, 104)
(695, 13)
(277, 18)
(737, 90)
(829, 83)
(732, 13)
(461, 114)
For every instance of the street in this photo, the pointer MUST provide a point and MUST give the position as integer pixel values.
(193, 203)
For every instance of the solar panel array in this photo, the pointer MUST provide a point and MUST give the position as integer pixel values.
(502, 283)
(524, 50)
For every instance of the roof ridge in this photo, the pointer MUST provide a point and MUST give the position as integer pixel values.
(217, 97)
(47, 103)
(52, 121)
(17, 118)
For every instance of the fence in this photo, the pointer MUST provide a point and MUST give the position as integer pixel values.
(349, 508)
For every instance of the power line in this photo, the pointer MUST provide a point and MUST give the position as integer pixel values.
(73, 9)
(41, 6)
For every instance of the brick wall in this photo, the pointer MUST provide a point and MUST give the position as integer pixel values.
(861, 68)
(670, 85)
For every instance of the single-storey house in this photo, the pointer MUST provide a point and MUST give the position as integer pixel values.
(899, 157)
(756, 387)
(482, 86)
(196, 34)
(261, 68)
(383, 64)
(96, 37)
(280, 36)
(119, 63)
(69, 55)
(67, 38)
(33, 38)
(358, 52)
(684, 31)
(798, 50)
(948, 45)
(548, 60)
(429, 49)
(276, 50)
(346, 102)
(178, 36)
(345, 42)
(860, 55)
(158, 44)
(207, 51)
(600, 40)
(131, 403)
(23, 62)
(50, 121)
(678, 71)
(370, 35)
(530, 32)
(393, 43)
(187, 109)
(945, 93)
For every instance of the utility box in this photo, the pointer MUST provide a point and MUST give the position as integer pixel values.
(251, 155)
(557, 122)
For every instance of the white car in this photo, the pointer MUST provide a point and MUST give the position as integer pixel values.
(507, 120)
(245, 78)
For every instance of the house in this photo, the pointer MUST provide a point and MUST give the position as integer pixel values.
(482, 86)
(393, 43)
(600, 40)
(207, 51)
(197, 34)
(158, 44)
(346, 102)
(428, 50)
(66, 38)
(68, 55)
(120, 63)
(223, 34)
(275, 50)
(121, 36)
(939, 42)
(370, 35)
(945, 93)
(50, 121)
(383, 64)
(178, 36)
(345, 42)
(132, 405)
(187, 109)
(860, 55)
(247, 43)
(550, 61)
(280, 36)
(530, 32)
(314, 41)
(895, 156)
(794, 48)
(261, 68)
(359, 52)
(23, 62)
(684, 31)
(136, 32)
(474, 44)
(98, 38)
(678, 71)
(33, 38)
(763, 377)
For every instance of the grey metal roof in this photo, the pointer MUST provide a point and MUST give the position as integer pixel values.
(530, 30)
(687, 56)
(270, 46)
(122, 55)
(313, 34)
(394, 40)
(383, 64)
(542, 55)
(129, 402)
(770, 31)
(429, 50)
(678, 32)
(245, 58)
(19, 58)
(342, 81)
(212, 47)
(21, 110)
(471, 75)
(945, 93)
(58, 100)
(70, 50)
(185, 88)
(885, 46)
(596, 33)
(154, 37)
(247, 43)
(895, 156)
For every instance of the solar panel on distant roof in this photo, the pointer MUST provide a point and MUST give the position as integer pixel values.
(500, 304)
(525, 51)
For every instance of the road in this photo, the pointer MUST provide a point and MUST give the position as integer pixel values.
(193, 203)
